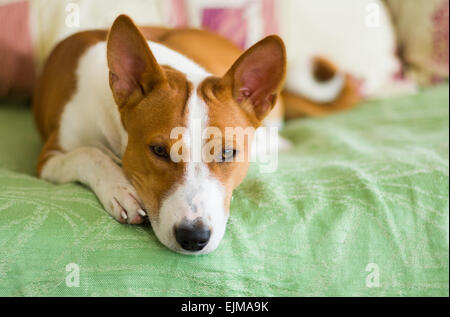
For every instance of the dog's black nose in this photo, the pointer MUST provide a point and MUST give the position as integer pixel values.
(192, 235)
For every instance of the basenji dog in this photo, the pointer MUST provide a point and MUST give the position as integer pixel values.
(108, 102)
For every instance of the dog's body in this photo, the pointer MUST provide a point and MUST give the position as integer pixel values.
(110, 99)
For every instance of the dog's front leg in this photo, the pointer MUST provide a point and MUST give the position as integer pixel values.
(92, 167)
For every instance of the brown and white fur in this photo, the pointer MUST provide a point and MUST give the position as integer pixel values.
(106, 100)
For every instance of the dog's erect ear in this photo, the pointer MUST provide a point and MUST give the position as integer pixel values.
(257, 76)
(133, 70)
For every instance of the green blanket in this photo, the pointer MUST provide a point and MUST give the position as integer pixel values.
(359, 207)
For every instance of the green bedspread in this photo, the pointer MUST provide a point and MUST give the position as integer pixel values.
(360, 207)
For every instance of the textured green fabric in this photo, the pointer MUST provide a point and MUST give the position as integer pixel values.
(366, 186)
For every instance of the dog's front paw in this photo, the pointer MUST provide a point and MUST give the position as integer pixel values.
(122, 203)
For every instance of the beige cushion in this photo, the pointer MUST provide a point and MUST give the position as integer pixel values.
(422, 30)
(54, 20)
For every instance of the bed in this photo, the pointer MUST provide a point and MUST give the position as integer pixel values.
(359, 207)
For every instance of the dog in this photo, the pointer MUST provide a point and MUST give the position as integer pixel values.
(107, 103)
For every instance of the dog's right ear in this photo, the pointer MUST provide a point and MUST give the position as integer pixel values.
(133, 70)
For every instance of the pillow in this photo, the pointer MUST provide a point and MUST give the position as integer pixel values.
(423, 34)
(242, 21)
(17, 69)
(30, 29)
(55, 20)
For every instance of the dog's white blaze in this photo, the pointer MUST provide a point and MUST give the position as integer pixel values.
(91, 118)
(200, 195)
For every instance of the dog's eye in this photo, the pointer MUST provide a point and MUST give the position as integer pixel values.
(228, 155)
(159, 151)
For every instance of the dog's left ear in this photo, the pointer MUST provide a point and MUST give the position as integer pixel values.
(257, 76)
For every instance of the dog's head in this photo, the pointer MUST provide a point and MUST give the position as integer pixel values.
(189, 134)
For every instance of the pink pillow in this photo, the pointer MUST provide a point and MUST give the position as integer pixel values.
(232, 21)
(16, 56)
